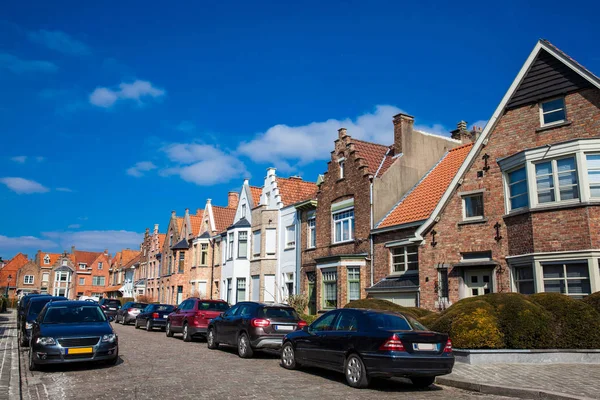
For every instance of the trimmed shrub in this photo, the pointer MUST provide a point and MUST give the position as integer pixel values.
(576, 324)
(299, 302)
(384, 305)
(309, 319)
(124, 300)
(593, 300)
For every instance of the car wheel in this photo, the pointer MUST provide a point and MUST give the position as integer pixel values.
(168, 329)
(211, 339)
(356, 373)
(136, 325)
(244, 348)
(288, 356)
(124, 320)
(32, 365)
(148, 326)
(186, 334)
(423, 382)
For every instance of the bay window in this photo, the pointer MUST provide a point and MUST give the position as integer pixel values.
(243, 244)
(593, 174)
(405, 259)
(523, 277)
(353, 283)
(330, 288)
(558, 174)
(570, 278)
(230, 246)
(517, 186)
(203, 253)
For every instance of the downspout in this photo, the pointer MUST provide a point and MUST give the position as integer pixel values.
(212, 266)
(371, 226)
(298, 251)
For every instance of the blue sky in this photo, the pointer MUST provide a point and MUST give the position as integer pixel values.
(112, 116)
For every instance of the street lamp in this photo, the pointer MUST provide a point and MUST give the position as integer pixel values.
(8, 284)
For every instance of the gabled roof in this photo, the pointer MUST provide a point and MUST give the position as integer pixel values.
(373, 154)
(161, 240)
(86, 257)
(127, 255)
(53, 258)
(421, 200)
(181, 245)
(223, 217)
(255, 192)
(134, 260)
(179, 222)
(14, 264)
(242, 223)
(294, 190)
(541, 45)
(196, 223)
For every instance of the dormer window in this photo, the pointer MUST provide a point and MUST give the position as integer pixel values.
(243, 211)
(553, 112)
(82, 266)
(46, 259)
(342, 164)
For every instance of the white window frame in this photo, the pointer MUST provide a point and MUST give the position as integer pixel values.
(82, 264)
(587, 175)
(516, 280)
(555, 181)
(334, 223)
(100, 265)
(565, 278)
(542, 113)
(28, 280)
(290, 237)
(351, 270)
(240, 234)
(406, 263)
(507, 186)
(256, 242)
(47, 275)
(230, 238)
(464, 206)
(244, 210)
(342, 167)
(46, 259)
(203, 252)
(311, 226)
(80, 281)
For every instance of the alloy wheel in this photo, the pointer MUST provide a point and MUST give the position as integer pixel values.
(148, 326)
(288, 358)
(354, 370)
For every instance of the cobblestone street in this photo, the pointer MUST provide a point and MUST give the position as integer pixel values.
(153, 366)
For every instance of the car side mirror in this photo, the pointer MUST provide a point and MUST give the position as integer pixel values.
(306, 328)
(222, 315)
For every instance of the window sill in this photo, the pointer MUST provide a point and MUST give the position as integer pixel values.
(289, 248)
(472, 221)
(337, 181)
(554, 207)
(399, 274)
(553, 126)
(342, 243)
(242, 258)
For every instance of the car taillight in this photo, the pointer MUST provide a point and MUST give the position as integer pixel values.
(260, 323)
(302, 324)
(448, 348)
(155, 315)
(129, 309)
(103, 307)
(392, 344)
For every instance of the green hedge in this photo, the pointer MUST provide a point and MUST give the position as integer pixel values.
(380, 304)
(309, 319)
(593, 300)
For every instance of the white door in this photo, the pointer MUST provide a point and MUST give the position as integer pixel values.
(202, 290)
(269, 295)
(479, 282)
(255, 288)
(402, 299)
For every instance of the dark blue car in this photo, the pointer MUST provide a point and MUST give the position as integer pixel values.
(33, 308)
(154, 316)
(367, 343)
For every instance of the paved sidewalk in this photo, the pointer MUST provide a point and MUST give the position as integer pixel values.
(9, 357)
(533, 381)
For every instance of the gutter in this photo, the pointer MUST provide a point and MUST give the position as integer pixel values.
(371, 235)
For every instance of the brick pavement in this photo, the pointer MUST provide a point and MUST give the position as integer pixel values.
(9, 360)
(577, 380)
(153, 366)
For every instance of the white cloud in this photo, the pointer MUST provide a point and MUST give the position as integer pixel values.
(113, 240)
(139, 168)
(13, 245)
(59, 41)
(64, 189)
(17, 65)
(203, 164)
(137, 90)
(23, 186)
(288, 147)
(19, 159)
(74, 226)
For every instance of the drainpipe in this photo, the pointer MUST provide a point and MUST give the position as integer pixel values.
(371, 226)
(212, 267)
(298, 251)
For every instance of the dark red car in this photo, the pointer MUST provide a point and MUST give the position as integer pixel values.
(192, 316)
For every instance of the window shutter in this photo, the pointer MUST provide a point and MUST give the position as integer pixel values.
(271, 241)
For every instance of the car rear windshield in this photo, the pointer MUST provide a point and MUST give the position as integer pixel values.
(389, 322)
(212, 306)
(36, 306)
(138, 305)
(112, 303)
(74, 315)
(277, 312)
(163, 307)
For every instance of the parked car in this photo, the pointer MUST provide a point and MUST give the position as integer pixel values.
(154, 316)
(366, 343)
(253, 326)
(72, 331)
(192, 316)
(24, 302)
(110, 306)
(34, 306)
(128, 312)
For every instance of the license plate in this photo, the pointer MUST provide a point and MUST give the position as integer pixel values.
(284, 328)
(164, 316)
(112, 308)
(425, 346)
(79, 350)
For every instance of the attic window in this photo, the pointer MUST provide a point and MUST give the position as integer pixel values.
(243, 211)
(46, 259)
(553, 112)
(342, 164)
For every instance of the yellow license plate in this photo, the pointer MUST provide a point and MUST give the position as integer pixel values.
(79, 350)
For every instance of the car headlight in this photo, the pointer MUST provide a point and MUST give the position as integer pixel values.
(110, 338)
(28, 325)
(45, 341)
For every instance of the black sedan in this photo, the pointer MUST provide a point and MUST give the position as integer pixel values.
(72, 331)
(154, 316)
(366, 343)
(24, 302)
(31, 312)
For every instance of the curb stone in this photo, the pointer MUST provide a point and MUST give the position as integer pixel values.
(521, 393)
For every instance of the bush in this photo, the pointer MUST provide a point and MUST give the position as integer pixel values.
(593, 300)
(124, 300)
(309, 319)
(576, 324)
(384, 305)
(144, 299)
(299, 302)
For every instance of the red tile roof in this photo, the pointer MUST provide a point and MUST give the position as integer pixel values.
(255, 192)
(196, 222)
(294, 190)
(127, 255)
(11, 268)
(223, 217)
(373, 154)
(86, 257)
(179, 222)
(134, 260)
(161, 240)
(419, 203)
(53, 258)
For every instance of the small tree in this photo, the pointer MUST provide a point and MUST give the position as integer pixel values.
(299, 302)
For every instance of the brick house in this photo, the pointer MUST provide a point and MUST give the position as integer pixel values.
(91, 274)
(167, 289)
(274, 254)
(9, 279)
(521, 214)
(336, 251)
(140, 275)
(205, 275)
(28, 279)
(157, 241)
(117, 272)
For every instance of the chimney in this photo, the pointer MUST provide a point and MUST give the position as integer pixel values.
(106, 251)
(403, 129)
(232, 199)
(72, 249)
(462, 133)
(198, 211)
(173, 214)
(187, 212)
(342, 133)
(476, 132)
(155, 228)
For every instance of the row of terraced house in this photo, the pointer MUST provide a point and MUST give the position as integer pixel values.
(423, 220)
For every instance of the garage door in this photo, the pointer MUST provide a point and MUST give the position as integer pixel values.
(402, 299)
